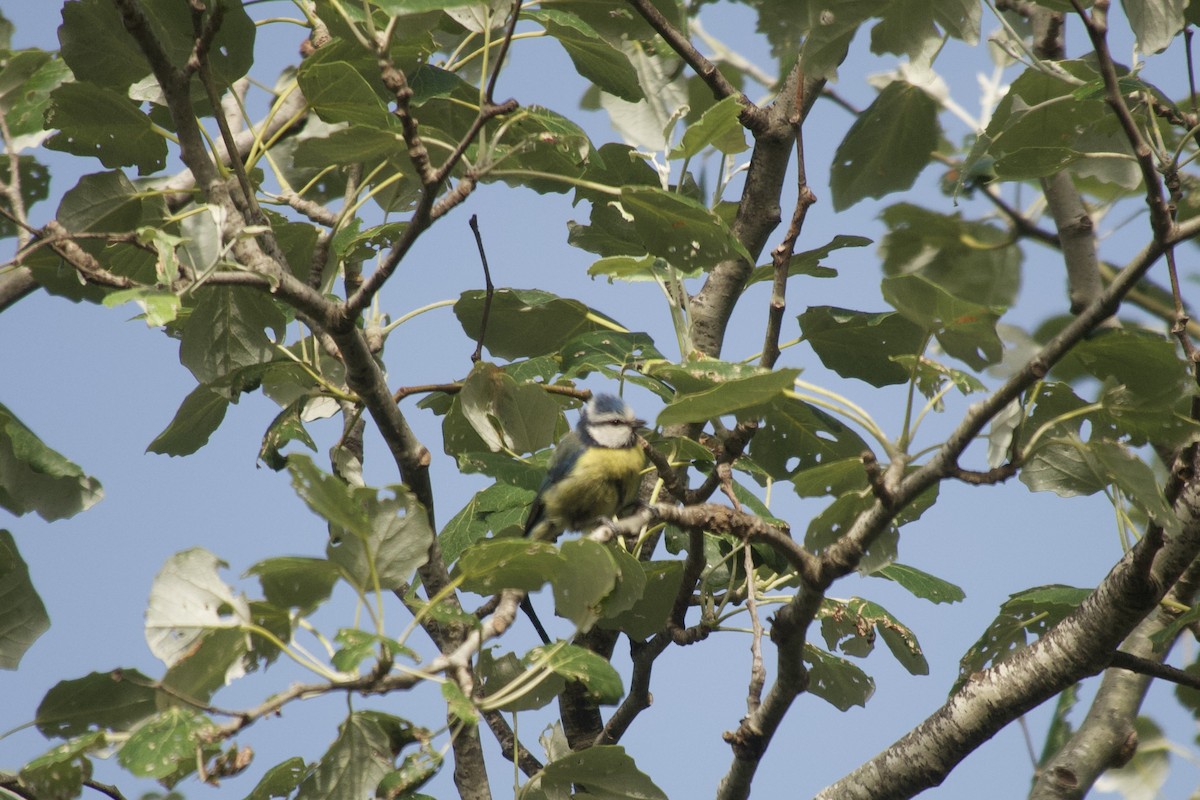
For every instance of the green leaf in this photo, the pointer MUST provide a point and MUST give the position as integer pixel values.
(415, 771)
(649, 614)
(23, 616)
(102, 202)
(59, 773)
(603, 771)
(809, 262)
(96, 46)
(835, 680)
(682, 231)
(280, 780)
(614, 354)
(851, 626)
(197, 419)
(523, 323)
(631, 583)
(295, 581)
(401, 8)
(908, 25)
(1037, 127)
(214, 659)
(188, 599)
(378, 542)
(227, 330)
(826, 33)
(505, 415)
(975, 261)
(795, 436)
(491, 510)
(159, 306)
(1155, 23)
(594, 58)
(729, 397)
(587, 575)
(887, 146)
(1030, 612)
(965, 330)
(720, 126)
(510, 563)
(35, 478)
(631, 268)
(831, 478)
(354, 764)
(1145, 363)
(338, 93)
(498, 673)
(27, 79)
(35, 186)
(1072, 467)
(598, 677)
(288, 426)
(357, 646)
(99, 122)
(541, 141)
(931, 377)
(857, 344)
(922, 584)
(111, 701)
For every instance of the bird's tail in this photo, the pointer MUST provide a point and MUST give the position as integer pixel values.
(527, 607)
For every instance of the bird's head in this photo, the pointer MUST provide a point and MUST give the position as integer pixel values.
(608, 421)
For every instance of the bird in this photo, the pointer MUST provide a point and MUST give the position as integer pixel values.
(592, 476)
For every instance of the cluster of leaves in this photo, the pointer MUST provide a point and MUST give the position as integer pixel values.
(171, 247)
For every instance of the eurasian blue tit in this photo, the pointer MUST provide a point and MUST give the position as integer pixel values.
(594, 472)
(593, 475)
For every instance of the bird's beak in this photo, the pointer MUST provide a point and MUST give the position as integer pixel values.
(639, 423)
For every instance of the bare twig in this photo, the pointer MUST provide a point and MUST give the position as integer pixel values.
(505, 43)
(781, 256)
(428, 208)
(489, 289)
(758, 673)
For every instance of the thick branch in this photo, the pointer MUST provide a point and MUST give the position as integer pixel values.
(1080, 646)
(1103, 737)
(844, 555)
(758, 209)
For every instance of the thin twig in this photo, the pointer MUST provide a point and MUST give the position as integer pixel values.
(1155, 669)
(505, 43)
(758, 673)
(489, 289)
(781, 256)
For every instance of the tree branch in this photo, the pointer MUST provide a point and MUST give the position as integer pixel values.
(1097, 30)
(683, 47)
(1080, 646)
(758, 209)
